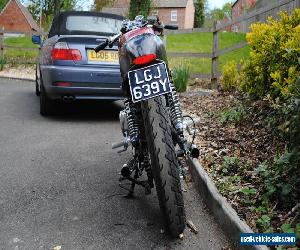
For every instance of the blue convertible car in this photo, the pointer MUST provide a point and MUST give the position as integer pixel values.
(68, 69)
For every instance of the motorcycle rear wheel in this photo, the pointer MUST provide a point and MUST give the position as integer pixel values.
(164, 164)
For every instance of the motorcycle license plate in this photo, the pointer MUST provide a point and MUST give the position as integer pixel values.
(149, 82)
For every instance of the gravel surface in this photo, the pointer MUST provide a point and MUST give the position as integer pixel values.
(21, 72)
(59, 183)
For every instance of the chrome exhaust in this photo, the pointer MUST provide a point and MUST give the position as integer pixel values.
(194, 152)
(68, 98)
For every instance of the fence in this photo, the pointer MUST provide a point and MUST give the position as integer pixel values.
(11, 48)
(289, 6)
(274, 7)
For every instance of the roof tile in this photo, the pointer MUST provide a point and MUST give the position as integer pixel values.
(171, 3)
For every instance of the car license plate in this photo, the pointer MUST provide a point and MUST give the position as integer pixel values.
(103, 56)
(149, 82)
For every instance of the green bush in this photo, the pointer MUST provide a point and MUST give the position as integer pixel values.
(181, 75)
(273, 64)
(232, 115)
(272, 74)
(230, 77)
(272, 68)
(231, 165)
(280, 180)
(2, 63)
(294, 120)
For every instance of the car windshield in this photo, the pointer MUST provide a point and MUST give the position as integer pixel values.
(93, 24)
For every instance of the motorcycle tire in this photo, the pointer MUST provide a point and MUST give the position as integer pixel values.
(164, 164)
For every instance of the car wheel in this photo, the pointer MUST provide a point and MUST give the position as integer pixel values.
(46, 105)
(37, 82)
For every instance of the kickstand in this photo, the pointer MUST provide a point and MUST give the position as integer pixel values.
(130, 190)
(132, 186)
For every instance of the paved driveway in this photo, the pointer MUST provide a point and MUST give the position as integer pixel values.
(59, 183)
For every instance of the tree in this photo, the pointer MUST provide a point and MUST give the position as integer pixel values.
(100, 4)
(49, 9)
(227, 10)
(2, 4)
(217, 14)
(220, 14)
(56, 7)
(139, 7)
(199, 13)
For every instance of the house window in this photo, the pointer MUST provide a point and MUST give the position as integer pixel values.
(174, 16)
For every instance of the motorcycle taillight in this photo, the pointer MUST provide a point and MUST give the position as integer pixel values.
(61, 51)
(145, 59)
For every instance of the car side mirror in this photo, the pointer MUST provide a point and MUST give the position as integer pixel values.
(171, 27)
(36, 39)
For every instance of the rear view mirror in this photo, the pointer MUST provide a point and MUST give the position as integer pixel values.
(152, 19)
(171, 27)
(36, 39)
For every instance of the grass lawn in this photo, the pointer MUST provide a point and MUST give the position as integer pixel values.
(202, 43)
(193, 42)
(17, 55)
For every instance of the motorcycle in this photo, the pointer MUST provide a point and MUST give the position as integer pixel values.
(152, 121)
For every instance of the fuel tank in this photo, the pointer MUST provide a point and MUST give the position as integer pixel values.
(138, 43)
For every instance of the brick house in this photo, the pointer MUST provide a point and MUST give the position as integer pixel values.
(180, 12)
(15, 17)
(239, 8)
(119, 7)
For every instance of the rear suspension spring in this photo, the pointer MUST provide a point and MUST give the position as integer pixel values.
(133, 126)
(175, 109)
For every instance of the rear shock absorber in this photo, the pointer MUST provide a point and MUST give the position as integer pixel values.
(133, 126)
(175, 110)
(148, 168)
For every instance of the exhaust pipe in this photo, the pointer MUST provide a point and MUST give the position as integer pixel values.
(126, 171)
(194, 153)
(68, 98)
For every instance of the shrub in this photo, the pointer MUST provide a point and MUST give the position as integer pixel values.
(281, 178)
(230, 77)
(233, 115)
(294, 130)
(2, 63)
(273, 64)
(181, 75)
(231, 165)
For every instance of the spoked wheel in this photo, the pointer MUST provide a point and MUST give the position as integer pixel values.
(164, 164)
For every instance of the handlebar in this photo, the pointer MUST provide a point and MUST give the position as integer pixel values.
(129, 25)
(109, 42)
(101, 46)
(171, 27)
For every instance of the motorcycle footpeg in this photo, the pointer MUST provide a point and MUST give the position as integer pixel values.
(122, 150)
(119, 145)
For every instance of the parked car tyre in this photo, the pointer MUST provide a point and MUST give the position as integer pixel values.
(46, 105)
(37, 82)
